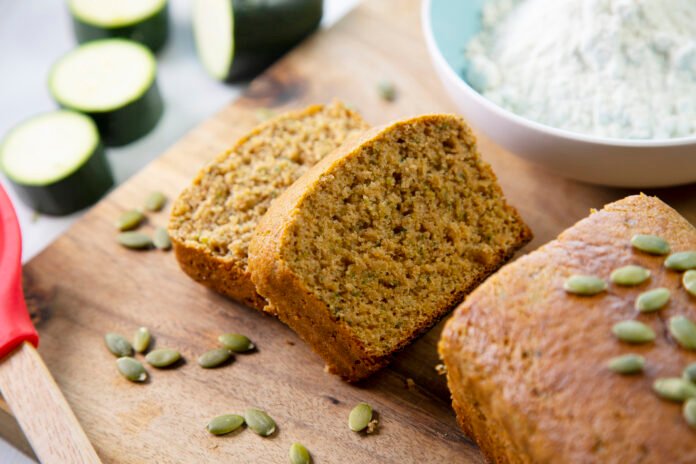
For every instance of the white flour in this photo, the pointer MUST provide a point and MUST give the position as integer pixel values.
(612, 68)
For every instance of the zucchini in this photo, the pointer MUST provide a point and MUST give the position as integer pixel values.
(114, 82)
(236, 39)
(56, 163)
(144, 21)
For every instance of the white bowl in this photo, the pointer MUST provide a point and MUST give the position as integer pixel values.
(449, 24)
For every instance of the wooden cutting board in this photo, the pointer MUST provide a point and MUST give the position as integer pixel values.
(85, 285)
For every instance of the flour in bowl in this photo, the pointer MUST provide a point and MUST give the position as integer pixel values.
(611, 68)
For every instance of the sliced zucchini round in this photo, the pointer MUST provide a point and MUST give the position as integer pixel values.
(56, 163)
(144, 21)
(236, 39)
(114, 82)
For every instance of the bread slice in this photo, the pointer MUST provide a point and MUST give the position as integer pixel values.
(527, 362)
(212, 221)
(381, 239)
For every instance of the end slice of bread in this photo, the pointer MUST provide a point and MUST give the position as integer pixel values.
(381, 239)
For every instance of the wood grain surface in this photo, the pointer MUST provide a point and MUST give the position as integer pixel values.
(85, 285)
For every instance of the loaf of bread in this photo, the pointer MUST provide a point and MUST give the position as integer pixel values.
(212, 221)
(381, 239)
(527, 361)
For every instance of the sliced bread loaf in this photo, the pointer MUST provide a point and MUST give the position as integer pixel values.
(382, 238)
(212, 221)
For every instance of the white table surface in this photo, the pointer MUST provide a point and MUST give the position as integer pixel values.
(35, 33)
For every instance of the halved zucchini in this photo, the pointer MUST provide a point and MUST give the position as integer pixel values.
(114, 82)
(56, 162)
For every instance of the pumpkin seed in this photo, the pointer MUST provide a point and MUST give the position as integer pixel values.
(155, 201)
(689, 373)
(584, 285)
(260, 422)
(129, 220)
(299, 454)
(690, 412)
(674, 388)
(627, 364)
(118, 345)
(224, 424)
(214, 358)
(630, 275)
(360, 417)
(386, 90)
(684, 331)
(132, 369)
(141, 339)
(161, 239)
(650, 244)
(682, 261)
(236, 343)
(652, 300)
(689, 281)
(134, 240)
(162, 357)
(633, 332)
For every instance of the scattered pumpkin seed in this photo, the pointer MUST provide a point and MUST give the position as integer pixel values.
(681, 261)
(630, 275)
(141, 339)
(260, 422)
(684, 331)
(690, 412)
(132, 369)
(236, 343)
(134, 240)
(129, 220)
(163, 357)
(299, 454)
(118, 345)
(224, 424)
(674, 388)
(585, 285)
(652, 300)
(627, 364)
(214, 358)
(161, 239)
(689, 281)
(690, 373)
(360, 417)
(386, 90)
(633, 332)
(155, 201)
(650, 244)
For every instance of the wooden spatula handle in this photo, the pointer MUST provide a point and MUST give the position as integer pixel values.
(42, 411)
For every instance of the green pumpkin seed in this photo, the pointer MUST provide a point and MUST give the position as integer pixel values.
(689, 373)
(141, 339)
(162, 357)
(690, 412)
(633, 332)
(130, 220)
(236, 343)
(134, 240)
(155, 201)
(682, 261)
(224, 424)
(630, 275)
(650, 244)
(299, 454)
(260, 422)
(360, 417)
(652, 300)
(627, 364)
(584, 285)
(386, 90)
(689, 281)
(214, 358)
(118, 345)
(132, 369)
(674, 388)
(161, 239)
(684, 331)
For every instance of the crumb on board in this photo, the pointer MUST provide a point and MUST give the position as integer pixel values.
(441, 369)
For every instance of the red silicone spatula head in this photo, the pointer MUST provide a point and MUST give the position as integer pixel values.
(15, 324)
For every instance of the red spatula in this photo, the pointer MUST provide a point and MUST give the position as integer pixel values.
(26, 385)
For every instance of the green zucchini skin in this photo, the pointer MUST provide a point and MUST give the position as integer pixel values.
(81, 189)
(151, 32)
